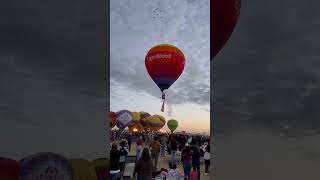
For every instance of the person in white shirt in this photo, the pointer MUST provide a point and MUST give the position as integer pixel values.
(206, 158)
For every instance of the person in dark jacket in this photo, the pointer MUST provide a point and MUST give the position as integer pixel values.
(173, 149)
(196, 159)
(114, 162)
(129, 140)
(123, 155)
(144, 166)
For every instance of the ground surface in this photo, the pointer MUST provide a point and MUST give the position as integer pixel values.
(164, 163)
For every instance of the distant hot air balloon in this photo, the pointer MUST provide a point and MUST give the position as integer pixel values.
(124, 117)
(165, 63)
(113, 119)
(223, 18)
(172, 124)
(45, 166)
(9, 169)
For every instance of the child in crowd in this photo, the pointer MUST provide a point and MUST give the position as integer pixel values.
(174, 173)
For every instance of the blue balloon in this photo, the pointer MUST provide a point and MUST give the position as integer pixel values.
(45, 166)
(124, 117)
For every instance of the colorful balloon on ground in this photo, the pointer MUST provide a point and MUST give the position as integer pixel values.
(172, 124)
(45, 166)
(165, 63)
(9, 169)
(82, 169)
(143, 115)
(223, 18)
(113, 119)
(162, 119)
(153, 123)
(102, 168)
(136, 128)
(135, 119)
(135, 125)
(124, 117)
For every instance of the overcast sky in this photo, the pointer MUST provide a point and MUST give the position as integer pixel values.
(266, 93)
(134, 31)
(52, 78)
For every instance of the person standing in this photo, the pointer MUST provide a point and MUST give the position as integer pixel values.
(163, 142)
(196, 159)
(155, 150)
(186, 159)
(123, 155)
(140, 143)
(207, 159)
(173, 149)
(143, 167)
(129, 140)
(114, 162)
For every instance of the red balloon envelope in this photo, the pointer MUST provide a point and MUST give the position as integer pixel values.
(223, 18)
(113, 119)
(9, 169)
(165, 63)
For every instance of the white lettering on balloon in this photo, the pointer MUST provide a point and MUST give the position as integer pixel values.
(158, 56)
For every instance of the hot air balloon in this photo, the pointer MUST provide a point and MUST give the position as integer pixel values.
(135, 119)
(165, 63)
(172, 124)
(153, 122)
(135, 125)
(124, 117)
(143, 115)
(162, 119)
(113, 119)
(9, 169)
(223, 18)
(45, 166)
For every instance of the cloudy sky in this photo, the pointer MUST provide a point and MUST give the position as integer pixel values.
(134, 31)
(266, 93)
(53, 78)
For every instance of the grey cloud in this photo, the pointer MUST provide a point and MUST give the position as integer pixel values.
(267, 76)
